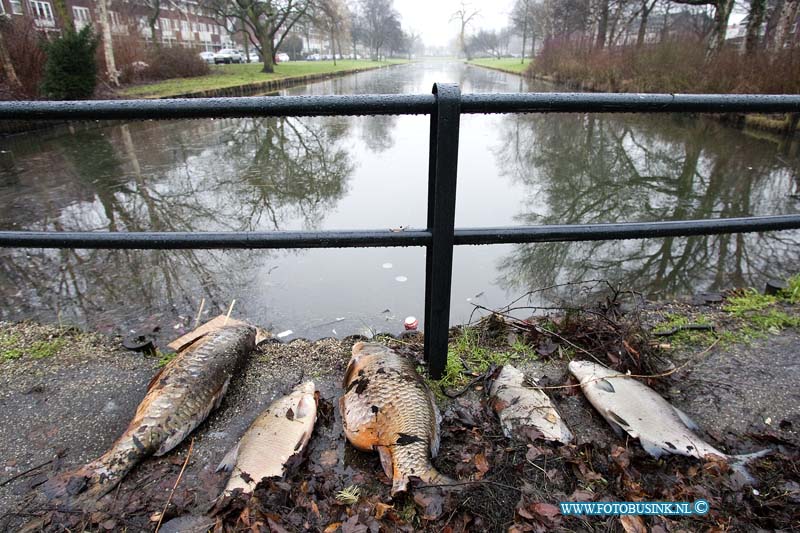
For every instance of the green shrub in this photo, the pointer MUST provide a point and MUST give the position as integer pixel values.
(71, 71)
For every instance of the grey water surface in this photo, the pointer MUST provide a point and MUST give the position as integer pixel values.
(368, 173)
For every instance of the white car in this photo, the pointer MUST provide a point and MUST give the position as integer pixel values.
(281, 57)
(208, 57)
(228, 55)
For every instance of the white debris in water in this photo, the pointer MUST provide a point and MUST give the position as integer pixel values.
(401, 279)
(768, 421)
(283, 334)
(387, 265)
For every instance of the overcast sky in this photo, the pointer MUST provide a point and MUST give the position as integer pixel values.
(431, 18)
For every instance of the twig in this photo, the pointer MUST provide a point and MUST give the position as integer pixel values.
(28, 471)
(642, 376)
(230, 310)
(175, 486)
(200, 312)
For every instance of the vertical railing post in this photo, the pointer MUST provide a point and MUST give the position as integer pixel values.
(442, 171)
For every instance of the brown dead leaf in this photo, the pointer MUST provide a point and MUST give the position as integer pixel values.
(481, 463)
(329, 458)
(332, 527)
(380, 509)
(632, 524)
(431, 502)
(532, 453)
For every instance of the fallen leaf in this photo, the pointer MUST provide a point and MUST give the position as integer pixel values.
(380, 509)
(431, 502)
(633, 524)
(329, 458)
(481, 463)
(546, 510)
(332, 527)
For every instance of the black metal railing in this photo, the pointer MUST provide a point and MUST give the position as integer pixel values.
(445, 106)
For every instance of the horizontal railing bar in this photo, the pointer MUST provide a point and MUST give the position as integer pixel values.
(623, 230)
(254, 106)
(628, 103)
(389, 238)
(393, 104)
(155, 240)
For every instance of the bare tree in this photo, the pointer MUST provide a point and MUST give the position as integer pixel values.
(5, 59)
(787, 18)
(108, 44)
(722, 12)
(266, 22)
(379, 20)
(523, 20)
(464, 16)
(329, 16)
(755, 18)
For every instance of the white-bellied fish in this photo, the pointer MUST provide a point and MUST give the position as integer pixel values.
(388, 408)
(280, 432)
(178, 399)
(519, 406)
(629, 405)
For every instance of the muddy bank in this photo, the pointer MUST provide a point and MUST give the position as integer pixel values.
(66, 395)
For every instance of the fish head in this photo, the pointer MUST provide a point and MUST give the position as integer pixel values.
(585, 370)
(362, 352)
(307, 387)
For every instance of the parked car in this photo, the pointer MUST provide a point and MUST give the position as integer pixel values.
(313, 57)
(281, 57)
(228, 55)
(208, 57)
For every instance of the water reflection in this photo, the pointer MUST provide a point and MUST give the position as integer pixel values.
(620, 168)
(221, 175)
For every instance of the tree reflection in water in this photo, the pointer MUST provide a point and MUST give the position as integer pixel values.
(596, 168)
(256, 174)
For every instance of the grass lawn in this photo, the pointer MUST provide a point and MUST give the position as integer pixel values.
(223, 76)
(509, 64)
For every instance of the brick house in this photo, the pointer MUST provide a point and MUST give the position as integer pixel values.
(180, 23)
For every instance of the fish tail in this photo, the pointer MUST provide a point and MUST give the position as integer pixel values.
(94, 480)
(738, 464)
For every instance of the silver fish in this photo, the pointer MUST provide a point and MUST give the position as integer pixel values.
(631, 406)
(280, 432)
(519, 406)
(178, 399)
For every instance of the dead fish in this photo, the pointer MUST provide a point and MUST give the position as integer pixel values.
(388, 408)
(633, 407)
(178, 399)
(520, 406)
(281, 431)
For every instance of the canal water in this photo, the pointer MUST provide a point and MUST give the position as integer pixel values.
(371, 172)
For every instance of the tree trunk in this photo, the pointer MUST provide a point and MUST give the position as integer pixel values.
(268, 53)
(665, 26)
(246, 44)
(643, 23)
(602, 25)
(8, 68)
(754, 22)
(787, 18)
(108, 44)
(333, 46)
(722, 13)
(775, 9)
(524, 38)
(533, 44)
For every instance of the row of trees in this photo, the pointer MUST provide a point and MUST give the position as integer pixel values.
(597, 24)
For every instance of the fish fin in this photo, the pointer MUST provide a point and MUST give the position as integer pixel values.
(604, 385)
(386, 460)
(229, 461)
(651, 447)
(687, 421)
(738, 465)
(618, 424)
(436, 435)
(305, 407)
(183, 431)
(154, 379)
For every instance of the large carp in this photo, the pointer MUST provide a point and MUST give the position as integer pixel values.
(388, 408)
(280, 432)
(178, 399)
